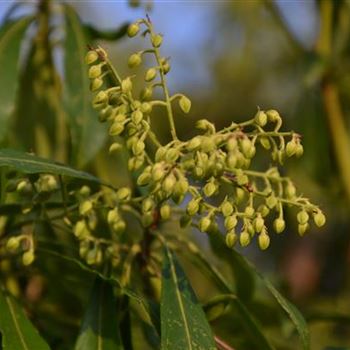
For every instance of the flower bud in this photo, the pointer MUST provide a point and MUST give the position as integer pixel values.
(194, 143)
(126, 85)
(147, 219)
(259, 223)
(115, 147)
(99, 99)
(138, 147)
(85, 191)
(240, 194)
(230, 222)
(207, 144)
(249, 211)
(172, 155)
(231, 239)
(319, 218)
(28, 258)
(160, 154)
(156, 40)
(146, 93)
(148, 204)
(263, 210)
(168, 183)
(299, 150)
(291, 148)
(119, 226)
(146, 107)
(265, 142)
(302, 217)
(272, 115)
(181, 186)
(247, 148)
(85, 207)
(205, 125)
(264, 241)
(91, 57)
(113, 216)
(210, 188)
(279, 225)
(144, 179)
(165, 65)
(290, 190)
(185, 104)
(231, 144)
(95, 71)
(271, 201)
(123, 194)
(13, 243)
(231, 161)
(96, 84)
(165, 211)
(302, 228)
(244, 238)
(116, 129)
(150, 74)
(226, 208)
(157, 172)
(133, 29)
(260, 118)
(204, 224)
(134, 60)
(192, 206)
(80, 229)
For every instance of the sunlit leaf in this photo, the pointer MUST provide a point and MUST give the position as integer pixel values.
(17, 332)
(11, 35)
(87, 134)
(100, 328)
(183, 322)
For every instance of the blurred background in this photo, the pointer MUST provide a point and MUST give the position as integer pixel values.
(232, 57)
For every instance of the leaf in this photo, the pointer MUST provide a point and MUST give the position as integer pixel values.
(100, 328)
(183, 322)
(109, 35)
(30, 164)
(11, 35)
(16, 330)
(87, 134)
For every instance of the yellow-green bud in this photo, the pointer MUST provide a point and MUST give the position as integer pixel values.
(247, 148)
(265, 142)
(302, 217)
(165, 211)
(96, 84)
(85, 191)
(146, 93)
(157, 172)
(210, 188)
(147, 219)
(115, 147)
(148, 204)
(261, 118)
(144, 179)
(181, 186)
(85, 207)
(134, 60)
(185, 104)
(13, 243)
(138, 147)
(100, 98)
(302, 228)
(156, 40)
(231, 239)
(28, 258)
(194, 143)
(123, 194)
(171, 155)
(290, 190)
(226, 208)
(204, 224)
(165, 65)
(279, 225)
(146, 107)
(116, 129)
(259, 223)
(160, 154)
(231, 161)
(119, 226)
(240, 194)
(137, 116)
(271, 201)
(272, 115)
(264, 241)
(80, 229)
(113, 216)
(231, 144)
(150, 74)
(133, 29)
(126, 85)
(244, 238)
(242, 179)
(249, 211)
(95, 71)
(263, 210)
(207, 144)
(192, 206)
(230, 222)
(91, 57)
(319, 218)
(299, 150)
(291, 148)
(168, 183)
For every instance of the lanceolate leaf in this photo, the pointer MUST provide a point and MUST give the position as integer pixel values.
(183, 322)
(99, 329)
(17, 332)
(31, 164)
(11, 35)
(87, 134)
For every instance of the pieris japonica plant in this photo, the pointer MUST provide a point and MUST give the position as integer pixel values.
(125, 236)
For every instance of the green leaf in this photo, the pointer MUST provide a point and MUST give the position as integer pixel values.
(109, 35)
(183, 322)
(16, 330)
(11, 35)
(31, 164)
(87, 134)
(100, 328)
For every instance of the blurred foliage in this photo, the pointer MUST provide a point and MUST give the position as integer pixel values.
(261, 63)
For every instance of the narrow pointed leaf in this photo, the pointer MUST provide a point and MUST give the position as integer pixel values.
(87, 134)
(100, 329)
(183, 322)
(11, 35)
(31, 164)
(17, 332)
